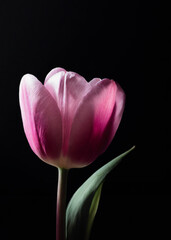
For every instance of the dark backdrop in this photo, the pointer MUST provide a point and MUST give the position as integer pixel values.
(122, 40)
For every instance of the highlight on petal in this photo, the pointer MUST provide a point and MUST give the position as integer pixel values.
(68, 89)
(41, 119)
(92, 129)
(53, 72)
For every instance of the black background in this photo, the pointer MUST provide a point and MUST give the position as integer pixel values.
(122, 40)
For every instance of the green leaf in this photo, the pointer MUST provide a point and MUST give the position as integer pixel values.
(83, 205)
(93, 210)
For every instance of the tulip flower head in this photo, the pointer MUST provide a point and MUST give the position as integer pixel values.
(68, 121)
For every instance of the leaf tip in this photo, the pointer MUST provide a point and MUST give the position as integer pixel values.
(133, 147)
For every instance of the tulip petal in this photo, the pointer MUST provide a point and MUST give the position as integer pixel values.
(41, 119)
(53, 72)
(68, 89)
(93, 127)
(94, 81)
(115, 118)
(119, 107)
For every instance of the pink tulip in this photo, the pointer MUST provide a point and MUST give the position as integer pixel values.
(68, 121)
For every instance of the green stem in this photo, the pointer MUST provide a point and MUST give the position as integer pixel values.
(61, 204)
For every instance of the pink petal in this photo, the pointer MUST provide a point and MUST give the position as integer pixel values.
(41, 119)
(114, 120)
(119, 107)
(94, 81)
(93, 127)
(68, 89)
(54, 71)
